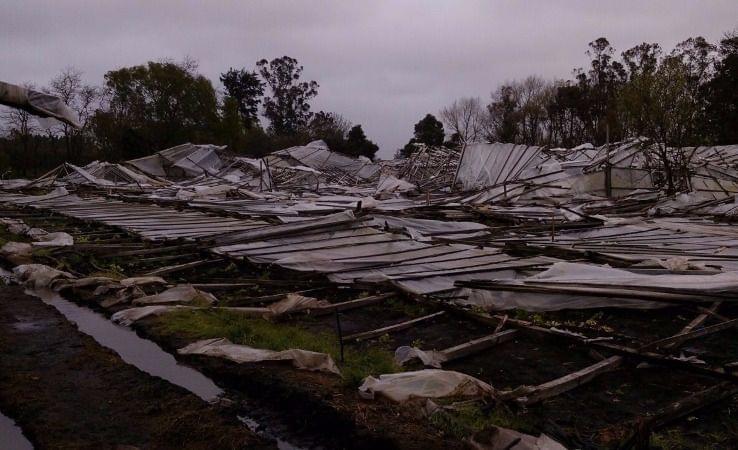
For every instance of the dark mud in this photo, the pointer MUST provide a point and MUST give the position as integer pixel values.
(67, 391)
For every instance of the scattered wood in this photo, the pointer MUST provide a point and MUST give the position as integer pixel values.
(477, 345)
(352, 304)
(180, 267)
(646, 425)
(391, 328)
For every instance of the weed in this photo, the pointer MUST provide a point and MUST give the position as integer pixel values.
(464, 420)
(259, 333)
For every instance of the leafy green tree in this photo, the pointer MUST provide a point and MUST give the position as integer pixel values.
(429, 131)
(721, 94)
(155, 106)
(245, 89)
(287, 107)
(358, 144)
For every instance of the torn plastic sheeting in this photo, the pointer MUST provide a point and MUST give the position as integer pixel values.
(128, 316)
(58, 239)
(429, 358)
(38, 276)
(484, 165)
(14, 226)
(178, 294)
(37, 103)
(141, 281)
(498, 438)
(391, 183)
(223, 348)
(17, 253)
(426, 383)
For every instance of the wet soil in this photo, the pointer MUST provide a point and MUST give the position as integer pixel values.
(313, 403)
(67, 391)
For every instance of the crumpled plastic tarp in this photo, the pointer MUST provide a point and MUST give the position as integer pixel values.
(15, 226)
(38, 276)
(223, 348)
(57, 239)
(430, 358)
(390, 183)
(498, 438)
(426, 383)
(128, 316)
(184, 293)
(17, 252)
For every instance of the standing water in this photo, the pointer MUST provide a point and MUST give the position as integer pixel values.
(11, 436)
(143, 354)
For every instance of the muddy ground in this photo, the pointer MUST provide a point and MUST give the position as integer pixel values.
(66, 391)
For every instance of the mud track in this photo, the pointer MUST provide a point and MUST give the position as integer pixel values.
(67, 391)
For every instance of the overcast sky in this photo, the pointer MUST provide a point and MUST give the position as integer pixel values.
(383, 64)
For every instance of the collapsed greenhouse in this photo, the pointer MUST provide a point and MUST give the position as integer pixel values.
(498, 296)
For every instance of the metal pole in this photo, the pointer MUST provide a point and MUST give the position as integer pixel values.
(340, 333)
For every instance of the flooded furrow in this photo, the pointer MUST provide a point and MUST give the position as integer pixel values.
(147, 356)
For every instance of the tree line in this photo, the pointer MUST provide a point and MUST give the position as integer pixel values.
(141, 109)
(687, 96)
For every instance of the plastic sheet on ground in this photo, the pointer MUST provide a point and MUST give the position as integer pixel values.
(179, 294)
(427, 383)
(15, 226)
(38, 276)
(57, 239)
(429, 358)
(498, 438)
(223, 348)
(424, 229)
(128, 316)
(17, 253)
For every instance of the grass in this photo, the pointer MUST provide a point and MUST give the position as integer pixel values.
(260, 333)
(467, 419)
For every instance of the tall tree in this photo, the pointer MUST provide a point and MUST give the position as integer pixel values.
(155, 106)
(246, 89)
(721, 95)
(84, 100)
(288, 107)
(466, 118)
(429, 131)
(358, 144)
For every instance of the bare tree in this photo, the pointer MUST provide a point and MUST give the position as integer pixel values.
(466, 117)
(82, 98)
(21, 125)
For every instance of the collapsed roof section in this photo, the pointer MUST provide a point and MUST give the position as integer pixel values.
(314, 163)
(183, 161)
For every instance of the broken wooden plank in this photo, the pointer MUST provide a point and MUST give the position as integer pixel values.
(643, 427)
(477, 345)
(179, 267)
(351, 304)
(682, 337)
(569, 381)
(391, 328)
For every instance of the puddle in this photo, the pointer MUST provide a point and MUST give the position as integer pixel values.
(11, 436)
(146, 355)
(134, 350)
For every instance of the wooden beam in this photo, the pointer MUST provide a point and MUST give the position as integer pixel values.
(675, 340)
(179, 267)
(351, 304)
(570, 381)
(391, 328)
(477, 345)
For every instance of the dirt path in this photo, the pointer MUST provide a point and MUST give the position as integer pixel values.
(67, 391)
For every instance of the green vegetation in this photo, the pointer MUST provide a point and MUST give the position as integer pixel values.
(260, 333)
(465, 419)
